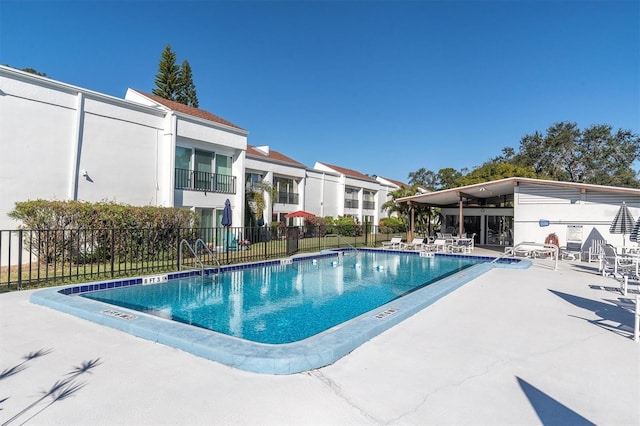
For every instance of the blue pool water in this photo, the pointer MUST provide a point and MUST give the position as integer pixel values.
(286, 303)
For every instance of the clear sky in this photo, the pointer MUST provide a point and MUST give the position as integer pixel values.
(383, 87)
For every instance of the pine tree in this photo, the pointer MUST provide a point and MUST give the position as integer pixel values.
(186, 93)
(168, 77)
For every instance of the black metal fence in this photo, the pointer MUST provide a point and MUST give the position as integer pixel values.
(32, 258)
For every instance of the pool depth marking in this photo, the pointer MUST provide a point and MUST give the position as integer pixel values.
(386, 313)
(117, 314)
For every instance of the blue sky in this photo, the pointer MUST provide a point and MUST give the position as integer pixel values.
(383, 87)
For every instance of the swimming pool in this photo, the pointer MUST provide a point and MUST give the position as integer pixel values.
(286, 303)
(342, 301)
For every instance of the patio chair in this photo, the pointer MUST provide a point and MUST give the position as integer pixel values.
(596, 250)
(233, 242)
(462, 245)
(416, 244)
(613, 264)
(572, 250)
(392, 244)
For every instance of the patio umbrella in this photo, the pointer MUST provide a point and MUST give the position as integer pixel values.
(623, 223)
(226, 222)
(299, 213)
(635, 231)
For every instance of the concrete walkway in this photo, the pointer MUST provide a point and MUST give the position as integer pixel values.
(522, 347)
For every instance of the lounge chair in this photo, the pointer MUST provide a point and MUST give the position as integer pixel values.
(438, 245)
(416, 244)
(393, 244)
(522, 250)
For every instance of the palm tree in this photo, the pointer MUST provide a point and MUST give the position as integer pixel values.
(425, 217)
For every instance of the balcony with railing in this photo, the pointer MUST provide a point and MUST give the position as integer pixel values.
(205, 182)
(286, 197)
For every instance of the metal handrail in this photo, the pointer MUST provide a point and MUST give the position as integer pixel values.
(324, 239)
(510, 251)
(337, 235)
(208, 250)
(195, 256)
(347, 243)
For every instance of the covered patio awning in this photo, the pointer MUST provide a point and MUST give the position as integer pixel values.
(477, 192)
(480, 193)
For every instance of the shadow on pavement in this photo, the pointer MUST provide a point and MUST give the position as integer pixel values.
(549, 410)
(616, 316)
(63, 388)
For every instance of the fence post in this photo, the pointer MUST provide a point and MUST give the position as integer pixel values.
(366, 233)
(179, 240)
(19, 260)
(112, 250)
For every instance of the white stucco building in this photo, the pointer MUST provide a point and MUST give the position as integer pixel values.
(285, 175)
(339, 191)
(62, 142)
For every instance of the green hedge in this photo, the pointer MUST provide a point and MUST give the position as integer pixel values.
(87, 232)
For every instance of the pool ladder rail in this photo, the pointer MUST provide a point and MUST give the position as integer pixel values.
(197, 247)
(338, 235)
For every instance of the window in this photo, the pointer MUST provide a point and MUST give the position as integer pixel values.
(203, 160)
(252, 180)
(223, 178)
(368, 200)
(183, 167)
(286, 189)
(351, 198)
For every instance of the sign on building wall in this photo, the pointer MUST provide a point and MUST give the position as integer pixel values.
(574, 232)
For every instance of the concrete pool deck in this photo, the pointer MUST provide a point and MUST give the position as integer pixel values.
(532, 346)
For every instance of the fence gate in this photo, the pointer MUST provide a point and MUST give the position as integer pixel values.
(292, 240)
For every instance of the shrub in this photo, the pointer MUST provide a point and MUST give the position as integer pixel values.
(85, 231)
(391, 225)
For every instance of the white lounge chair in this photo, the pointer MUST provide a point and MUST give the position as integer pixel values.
(416, 244)
(393, 244)
(523, 249)
(438, 245)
